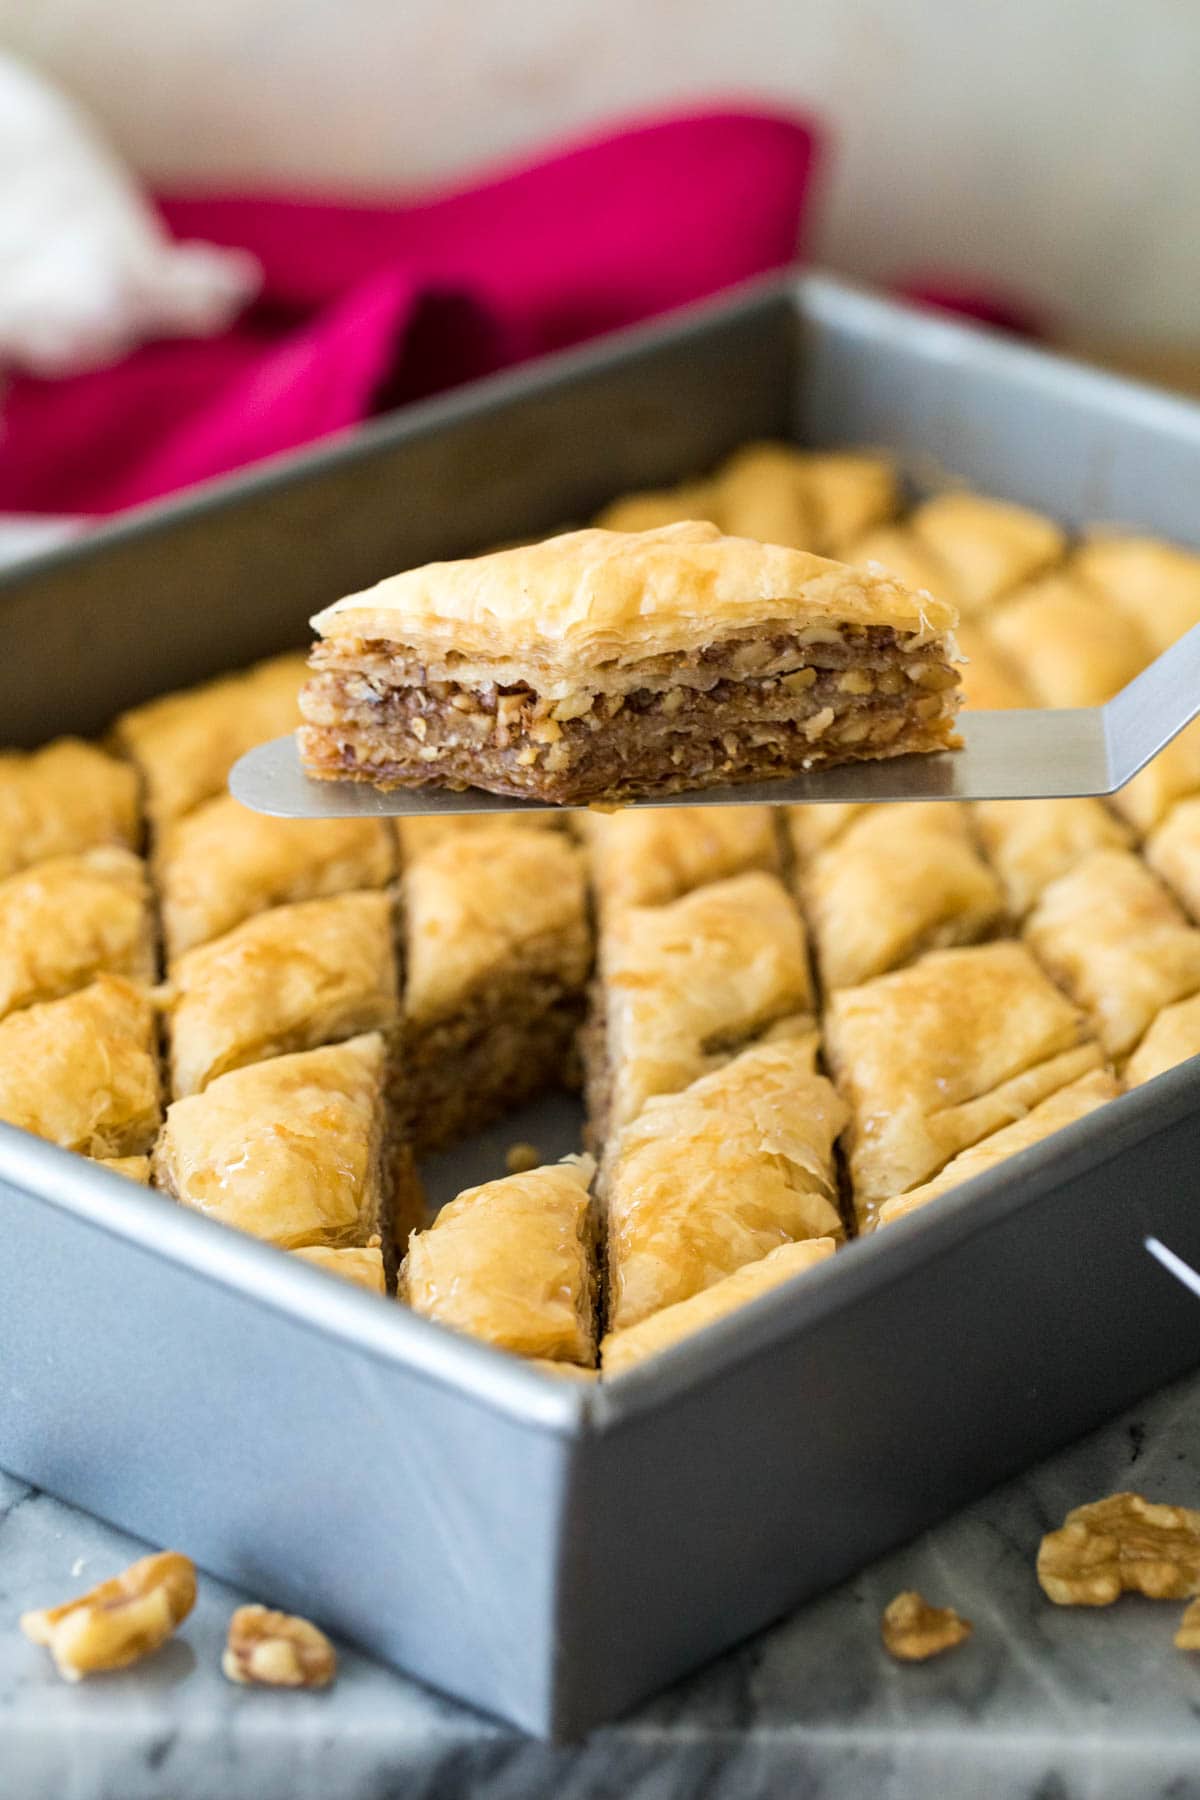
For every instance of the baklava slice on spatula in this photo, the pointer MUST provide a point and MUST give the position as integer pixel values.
(605, 666)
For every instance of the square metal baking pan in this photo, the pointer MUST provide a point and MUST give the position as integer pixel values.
(554, 1551)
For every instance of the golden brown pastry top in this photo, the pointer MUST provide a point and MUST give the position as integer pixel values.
(1111, 934)
(511, 1262)
(1157, 583)
(688, 982)
(1069, 1103)
(933, 1057)
(987, 545)
(289, 979)
(646, 856)
(223, 864)
(67, 797)
(1068, 643)
(719, 1175)
(134, 1168)
(68, 919)
(1173, 1037)
(1174, 853)
(489, 904)
(361, 1265)
(186, 743)
(1032, 842)
(1173, 775)
(653, 508)
(82, 1071)
(553, 611)
(899, 550)
(287, 1150)
(989, 682)
(623, 1350)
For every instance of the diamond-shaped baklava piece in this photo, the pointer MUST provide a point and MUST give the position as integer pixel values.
(1070, 645)
(1112, 936)
(1172, 1038)
(497, 951)
(1032, 842)
(1072, 1102)
(292, 1150)
(1173, 775)
(645, 858)
(1158, 584)
(604, 665)
(621, 1350)
(936, 1056)
(185, 743)
(363, 1266)
(82, 1071)
(682, 986)
(1174, 853)
(988, 546)
(811, 500)
(223, 864)
(719, 1175)
(512, 1262)
(897, 881)
(69, 919)
(290, 979)
(63, 799)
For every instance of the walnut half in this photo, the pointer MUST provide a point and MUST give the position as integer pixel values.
(1123, 1544)
(119, 1622)
(913, 1631)
(275, 1649)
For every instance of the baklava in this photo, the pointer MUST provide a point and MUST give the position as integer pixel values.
(934, 1057)
(290, 979)
(1157, 584)
(362, 1266)
(683, 986)
(1173, 1038)
(512, 1262)
(65, 798)
(68, 919)
(1174, 853)
(1112, 936)
(622, 1350)
(82, 1071)
(987, 546)
(294, 1150)
(647, 857)
(719, 1175)
(1173, 775)
(1070, 645)
(133, 1168)
(602, 666)
(1032, 842)
(497, 950)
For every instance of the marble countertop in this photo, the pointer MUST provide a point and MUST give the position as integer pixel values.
(1044, 1703)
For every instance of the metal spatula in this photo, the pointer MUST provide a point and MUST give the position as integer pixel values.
(1005, 756)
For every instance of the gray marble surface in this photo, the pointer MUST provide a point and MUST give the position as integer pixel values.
(1044, 1703)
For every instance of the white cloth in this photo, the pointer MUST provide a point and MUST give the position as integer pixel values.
(86, 271)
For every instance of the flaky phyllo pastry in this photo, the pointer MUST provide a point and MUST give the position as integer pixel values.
(607, 665)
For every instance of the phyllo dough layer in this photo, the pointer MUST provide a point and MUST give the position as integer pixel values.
(605, 665)
(512, 1262)
(68, 797)
(68, 919)
(82, 1071)
(719, 1175)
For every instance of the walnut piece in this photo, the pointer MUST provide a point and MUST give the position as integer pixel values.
(1123, 1544)
(275, 1649)
(913, 1631)
(119, 1622)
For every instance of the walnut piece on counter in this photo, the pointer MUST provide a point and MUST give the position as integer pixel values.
(276, 1649)
(1123, 1544)
(120, 1621)
(913, 1631)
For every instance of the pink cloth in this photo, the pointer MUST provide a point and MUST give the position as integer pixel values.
(364, 307)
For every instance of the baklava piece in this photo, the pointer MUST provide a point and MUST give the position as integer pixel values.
(622, 1350)
(1156, 583)
(934, 1057)
(989, 682)
(1072, 1102)
(497, 952)
(513, 1262)
(1174, 853)
(1111, 935)
(1173, 1038)
(69, 919)
(63, 799)
(416, 836)
(290, 979)
(988, 546)
(363, 1266)
(1032, 842)
(134, 1168)
(601, 666)
(810, 500)
(1173, 775)
(645, 858)
(1069, 644)
(185, 744)
(898, 550)
(707, 1180)
(653, 508)
(294, 1151)
(899, 880)
(82, 1071)
(223, 864)
(683, 986)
